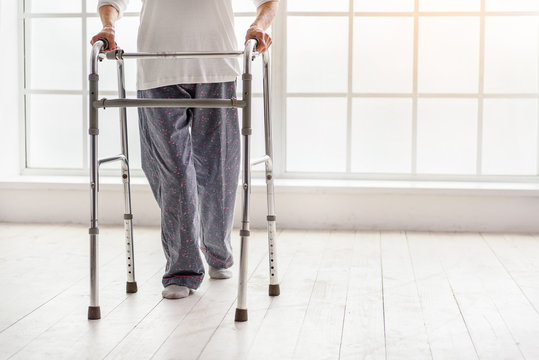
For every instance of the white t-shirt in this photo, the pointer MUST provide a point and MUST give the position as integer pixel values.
(184, 26)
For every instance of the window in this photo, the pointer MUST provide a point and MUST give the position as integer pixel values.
(403, 89)
(412, 89)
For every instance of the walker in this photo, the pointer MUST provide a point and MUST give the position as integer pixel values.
(249, 54)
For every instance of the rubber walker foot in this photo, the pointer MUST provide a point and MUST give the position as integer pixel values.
(274, 290)
(131, 287)
(241, 315)
(94, 312)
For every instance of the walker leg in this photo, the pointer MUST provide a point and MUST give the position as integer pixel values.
(241, 310)
(131, 284)
(94, 311)
(274, 289)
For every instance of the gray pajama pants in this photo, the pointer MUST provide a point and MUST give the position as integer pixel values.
(191, 158)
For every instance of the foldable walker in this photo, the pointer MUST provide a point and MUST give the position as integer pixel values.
(122, 103)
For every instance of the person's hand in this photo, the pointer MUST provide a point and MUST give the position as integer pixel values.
(264, 40)
(108, 34)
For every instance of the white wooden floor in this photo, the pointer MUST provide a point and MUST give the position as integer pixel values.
(344, 295)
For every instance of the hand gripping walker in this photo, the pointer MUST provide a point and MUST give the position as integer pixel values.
(122, 103)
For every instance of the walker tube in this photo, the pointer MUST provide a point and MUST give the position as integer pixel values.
(241, 309)
(119, 54)
(131, 284)
(274, 289)
(94, 311)
(197, 103)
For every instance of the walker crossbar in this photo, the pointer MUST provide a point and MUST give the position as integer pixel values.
(196, 103)
(264, 159)
(122, 103)
(120, 54)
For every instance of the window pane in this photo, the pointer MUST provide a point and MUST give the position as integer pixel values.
(318, 5)
(382, 135)
(512, 5)
(134, 6)
(383, 54)
(510, 136)
(126, 37)
(317, 54)
(384, 5)
(110, 142)
(446, 136)
(316, 134)
(54, 131)
(453, 5)
(53, 6)
(448, 54)
(511, 54)
(50, 67)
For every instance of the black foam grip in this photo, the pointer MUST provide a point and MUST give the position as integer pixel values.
(105, 43)
(257, 42)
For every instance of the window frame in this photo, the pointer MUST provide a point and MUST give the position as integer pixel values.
(280, 95)
(480, 96)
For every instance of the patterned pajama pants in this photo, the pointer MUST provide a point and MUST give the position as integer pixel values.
(191, 158)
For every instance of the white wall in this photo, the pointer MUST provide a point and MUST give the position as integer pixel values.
(361, 205)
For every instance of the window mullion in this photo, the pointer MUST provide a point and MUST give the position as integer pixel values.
(350, 90)
(415, 88)
(537, 171)
(278, 90)
(481, 90)
(26, 49)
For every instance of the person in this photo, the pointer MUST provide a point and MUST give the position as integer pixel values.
(190, 156)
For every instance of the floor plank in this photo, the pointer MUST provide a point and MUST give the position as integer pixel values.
(74, 298)
(197, 328)
(519, 256)
(363, 330)
(234, 340)
(447, 333)
(345, 295)
(406, 334)
(287, 312)
(475, 279)
(49, 273)
(321, 331)
(516, 301)
(71, 333)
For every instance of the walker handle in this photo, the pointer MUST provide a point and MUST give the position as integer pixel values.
(256, 40)
(105, 43)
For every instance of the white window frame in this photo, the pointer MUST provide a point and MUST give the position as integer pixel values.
(280, 62)
(280, 95)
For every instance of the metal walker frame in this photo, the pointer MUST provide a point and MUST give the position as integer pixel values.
(249, 54)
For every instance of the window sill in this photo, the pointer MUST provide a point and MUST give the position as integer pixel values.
(296, 186)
